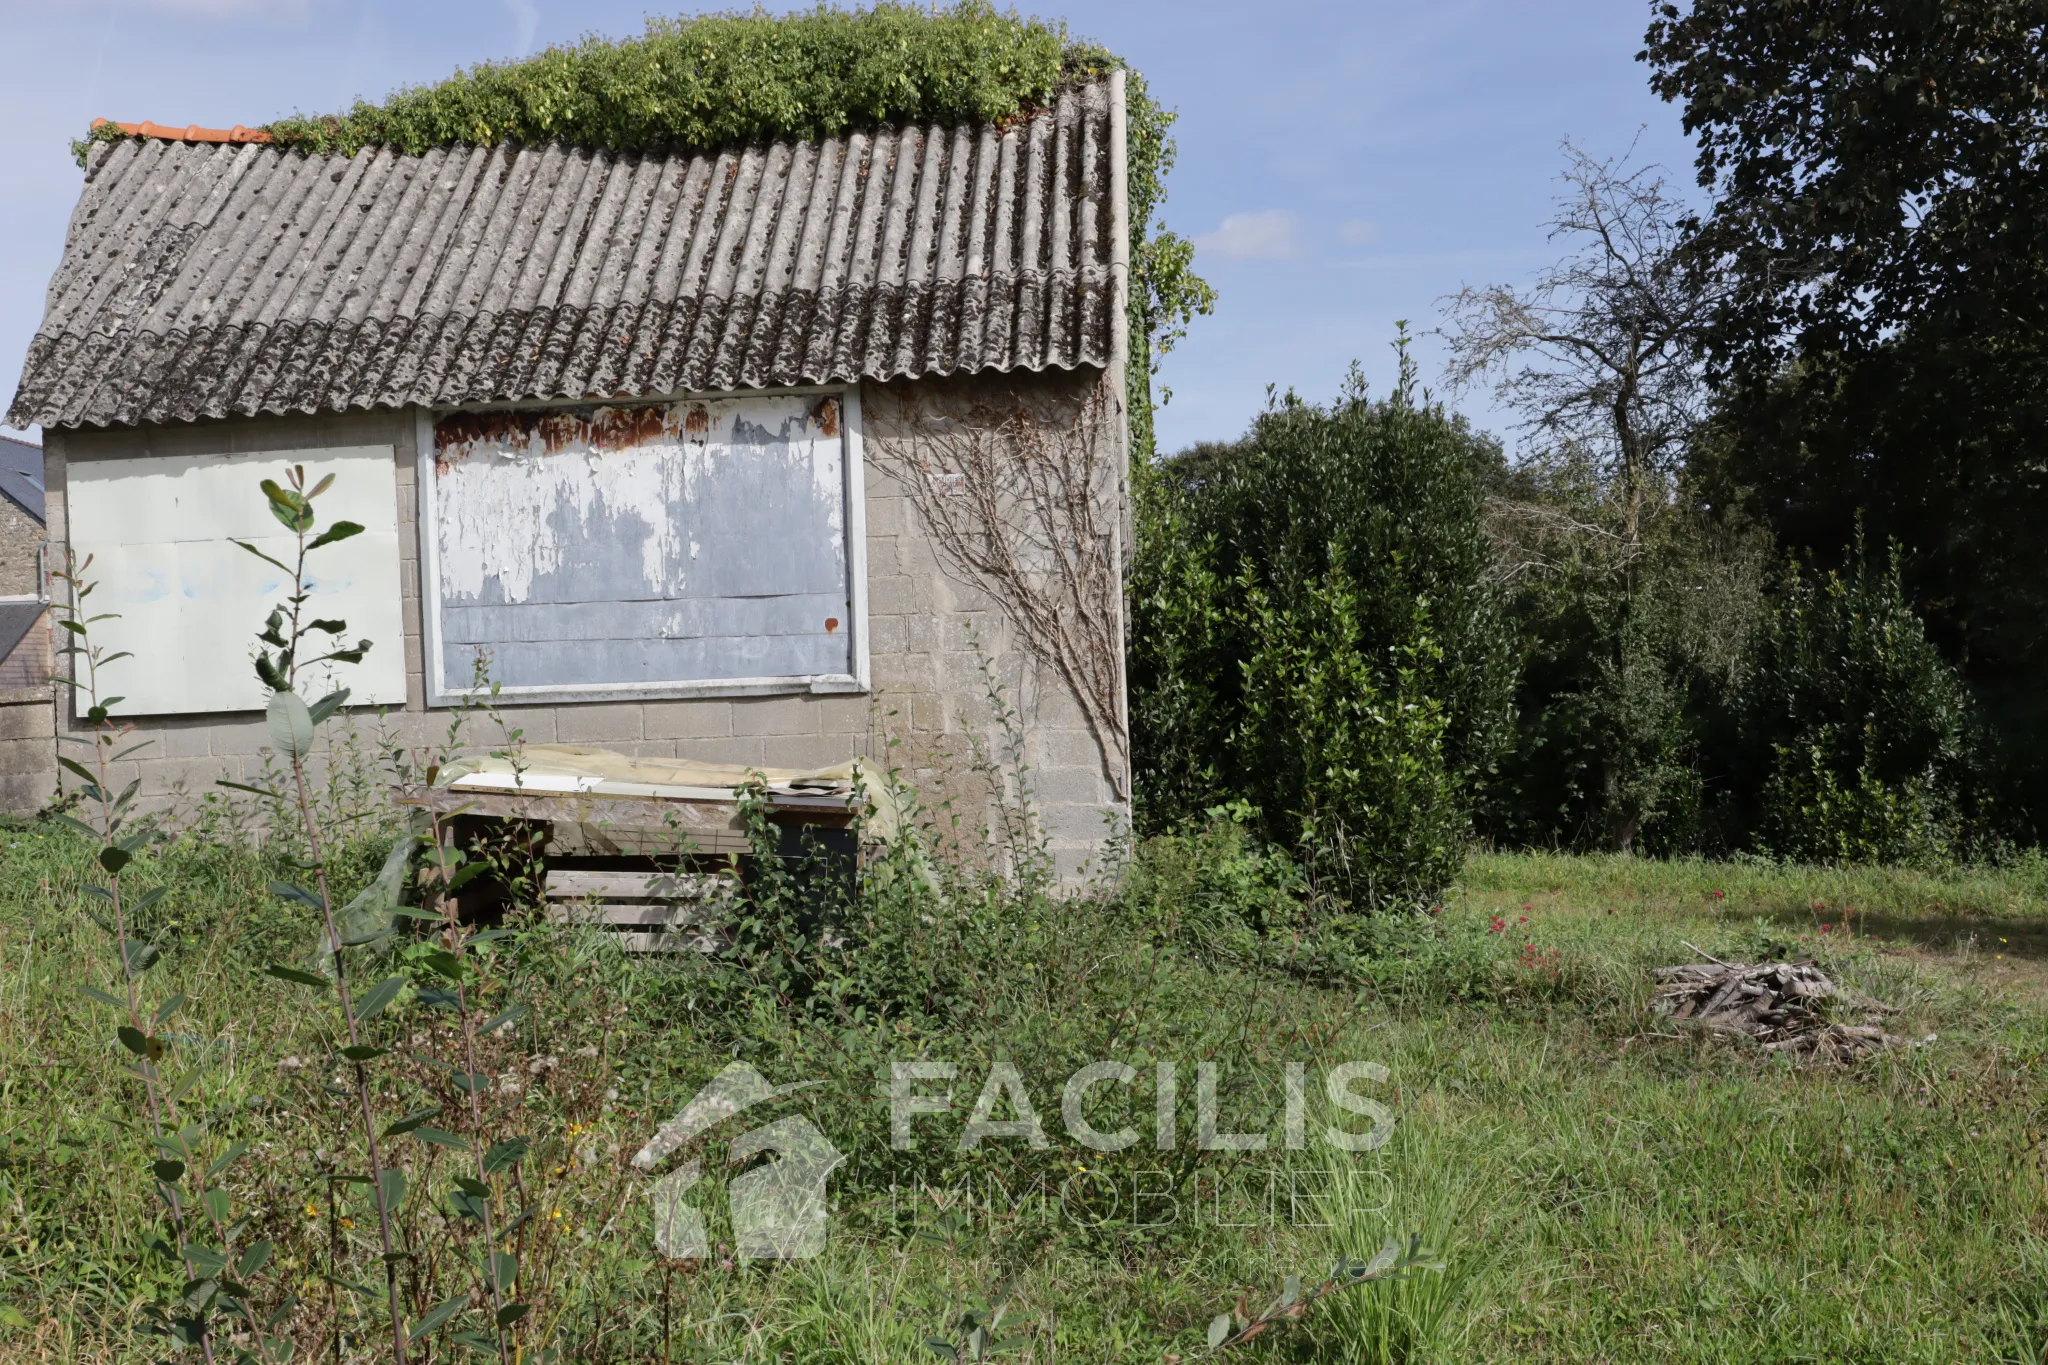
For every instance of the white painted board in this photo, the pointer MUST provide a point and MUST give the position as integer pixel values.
(189, 602)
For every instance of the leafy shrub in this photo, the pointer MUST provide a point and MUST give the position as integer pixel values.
(718, 79)
(1214, 889)
(1632, 653)
(1350, 741)
(1314, 633)
(1862, 729)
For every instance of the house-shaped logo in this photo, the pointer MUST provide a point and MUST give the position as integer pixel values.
(778, 1209)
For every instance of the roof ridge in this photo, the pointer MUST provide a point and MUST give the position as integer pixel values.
(1024, 115)
(190, 133)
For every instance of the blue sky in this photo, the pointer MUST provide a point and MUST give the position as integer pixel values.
(1342, 166)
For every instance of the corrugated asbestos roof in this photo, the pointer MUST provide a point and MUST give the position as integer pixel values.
(204, 280)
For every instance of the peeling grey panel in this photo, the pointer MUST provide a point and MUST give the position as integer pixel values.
(617, 547)
(216, 280)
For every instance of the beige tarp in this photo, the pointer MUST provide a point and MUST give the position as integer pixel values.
(550, 769)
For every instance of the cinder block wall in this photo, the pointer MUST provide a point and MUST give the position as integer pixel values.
(929, 682)
(28, 746)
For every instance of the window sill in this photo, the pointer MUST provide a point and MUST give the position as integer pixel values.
(824, 685)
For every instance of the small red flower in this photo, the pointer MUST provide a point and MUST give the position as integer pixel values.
(1825, 927)
(1523, 920)
(1497, 925)
(1718, 895)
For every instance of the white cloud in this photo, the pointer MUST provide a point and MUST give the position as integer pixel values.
(1268, 235)
(526, 15)
(1358, 232)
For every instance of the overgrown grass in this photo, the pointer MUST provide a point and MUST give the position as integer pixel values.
(1756, 886)
(1599, 1186)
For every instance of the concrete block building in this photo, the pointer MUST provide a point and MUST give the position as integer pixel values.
(724, 455)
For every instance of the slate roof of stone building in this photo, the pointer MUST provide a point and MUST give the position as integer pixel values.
(16, 620)
(208, 280)
(21, 475)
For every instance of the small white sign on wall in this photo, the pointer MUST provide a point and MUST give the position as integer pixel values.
(189, 601)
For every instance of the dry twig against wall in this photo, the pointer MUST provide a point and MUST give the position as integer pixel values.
(1025, 506)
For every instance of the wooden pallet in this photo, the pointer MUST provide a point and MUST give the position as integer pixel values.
(584, 836)
(600, 824)
(649, 911)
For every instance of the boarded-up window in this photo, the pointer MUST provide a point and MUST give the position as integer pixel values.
(187, 601)
(673, 549)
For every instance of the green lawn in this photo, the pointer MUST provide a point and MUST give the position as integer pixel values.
(1598, 1185)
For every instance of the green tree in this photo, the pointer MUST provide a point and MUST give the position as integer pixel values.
(1315, 632)
(1624, 729)
(1627, 597)
(1862, 730)
(1880, 226)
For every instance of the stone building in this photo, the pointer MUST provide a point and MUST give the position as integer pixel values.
(28, 746)
(741, 456)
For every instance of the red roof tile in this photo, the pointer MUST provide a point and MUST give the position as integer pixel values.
(190, 133)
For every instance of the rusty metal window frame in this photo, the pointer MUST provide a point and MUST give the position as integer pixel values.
(440, 694)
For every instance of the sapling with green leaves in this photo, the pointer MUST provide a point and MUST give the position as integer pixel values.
(456, 960)
(976, 1334)
(293, 723)
(214, 1273)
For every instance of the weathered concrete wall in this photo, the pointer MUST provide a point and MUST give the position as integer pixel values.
(929, 692)
(939, 637)
(28, 744)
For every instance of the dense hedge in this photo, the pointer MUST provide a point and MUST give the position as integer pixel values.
(1863, 733)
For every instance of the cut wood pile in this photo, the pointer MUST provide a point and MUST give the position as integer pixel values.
(1785, 1006)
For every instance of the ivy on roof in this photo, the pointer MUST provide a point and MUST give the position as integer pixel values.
(710, 81)
(714, 80)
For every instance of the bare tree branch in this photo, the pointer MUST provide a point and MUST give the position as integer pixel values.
(1600, 354)
(1027, 510)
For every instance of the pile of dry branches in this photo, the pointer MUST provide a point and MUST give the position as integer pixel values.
(1779, 1004)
